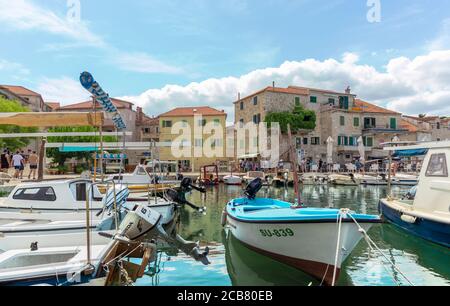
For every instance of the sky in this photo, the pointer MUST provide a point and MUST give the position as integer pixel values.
(161, 54)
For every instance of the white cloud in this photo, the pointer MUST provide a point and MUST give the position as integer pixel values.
(412, 86)
(24, 15)
(442, 40)
(64, 90)
(13, 68)
(143, 63)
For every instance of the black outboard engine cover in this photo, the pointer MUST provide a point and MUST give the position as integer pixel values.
(253, 188)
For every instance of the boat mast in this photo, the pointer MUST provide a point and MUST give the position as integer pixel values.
(294, 162)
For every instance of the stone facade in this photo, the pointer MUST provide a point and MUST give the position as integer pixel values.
(339, 115)
(438, 127)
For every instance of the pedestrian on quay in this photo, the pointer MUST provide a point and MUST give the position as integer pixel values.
(5, 162)
(17, 161)
(24, 162)
(33, 159)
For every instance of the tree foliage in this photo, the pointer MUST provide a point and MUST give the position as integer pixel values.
(10, 106)
(299, 119)
(60, 157)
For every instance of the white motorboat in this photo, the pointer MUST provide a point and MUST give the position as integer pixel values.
(403, 179)
(314, 179)
(232, 180)
(145, 175)
(372, 180)
(425, 211)
(344, 180)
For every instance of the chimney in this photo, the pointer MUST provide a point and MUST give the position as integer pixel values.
(140, 115)
(348, 91)
(273, 84)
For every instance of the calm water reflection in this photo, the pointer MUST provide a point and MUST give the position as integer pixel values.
(233, 264)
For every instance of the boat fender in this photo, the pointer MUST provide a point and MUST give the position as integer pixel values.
(224, 218)
(409, 219)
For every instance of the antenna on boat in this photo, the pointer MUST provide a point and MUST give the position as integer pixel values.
(294, 161)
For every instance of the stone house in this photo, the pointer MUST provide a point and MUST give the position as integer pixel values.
(25, 96)
(339, 115)
(439, 127)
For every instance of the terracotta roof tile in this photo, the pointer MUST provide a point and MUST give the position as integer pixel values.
(53, 105)
(289, 90)
(372, 108)
(20, 90)
(191, 111)
(88, 105)
(409, 126)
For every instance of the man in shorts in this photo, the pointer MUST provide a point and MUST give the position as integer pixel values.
(33, 159)
(18, 162)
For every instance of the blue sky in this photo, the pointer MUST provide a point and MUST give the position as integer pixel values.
(135, 46)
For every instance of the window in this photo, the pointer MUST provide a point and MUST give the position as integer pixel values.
(343, 141)
(241, 123)
(393, 123)
(298, 142)
(257, 119)
(368, 141)
(370, 123)
(351, 141)
(216, 122)
(331, 101)
(242, 105)
(305, 141)
(313, 99)
(202, 122)
(297, 101)
(342, 120)
(438, 126)
(437, 167)
(35, 194)
(255, 101)
(167, 124)
(146, 130)
(184, 123)
(343, 102)
(315, 141)
(81, 192)
(356, 122)
(199, 143)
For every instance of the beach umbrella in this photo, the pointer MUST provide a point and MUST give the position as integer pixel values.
(361, 149)
(330, 143)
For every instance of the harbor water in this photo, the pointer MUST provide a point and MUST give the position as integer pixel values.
(422, 262)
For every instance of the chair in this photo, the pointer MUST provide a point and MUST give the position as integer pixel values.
(375, 168)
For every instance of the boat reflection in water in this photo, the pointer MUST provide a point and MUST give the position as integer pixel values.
(425, 263)
(248, 268)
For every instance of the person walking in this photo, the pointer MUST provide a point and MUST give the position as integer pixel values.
(33, 159)
(4, 161)
(24, 162)
(17, 161)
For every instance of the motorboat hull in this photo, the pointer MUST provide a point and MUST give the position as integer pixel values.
(311, 249)
(437, 232)
(304, 238)
(232, 180)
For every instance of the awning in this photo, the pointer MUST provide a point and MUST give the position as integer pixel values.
(77, 149)
(409, 153)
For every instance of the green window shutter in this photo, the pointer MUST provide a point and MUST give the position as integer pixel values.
(339, 140)
(393, 123)
(352, 141)
(356, 122)
(370, 142)
(313, 99)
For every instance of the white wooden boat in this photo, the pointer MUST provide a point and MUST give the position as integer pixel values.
(427, 212)
(309, 239)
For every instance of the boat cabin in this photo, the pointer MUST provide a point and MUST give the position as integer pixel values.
(433, 190)
(64, 195)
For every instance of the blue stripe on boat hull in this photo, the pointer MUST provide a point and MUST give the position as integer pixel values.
(430, 230)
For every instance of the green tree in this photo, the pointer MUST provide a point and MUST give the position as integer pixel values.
(10, 106)
(299, 119)
(60, 157)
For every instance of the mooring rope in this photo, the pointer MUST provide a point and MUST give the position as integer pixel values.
(373, 246)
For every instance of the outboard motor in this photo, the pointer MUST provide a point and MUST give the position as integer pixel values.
(253, 188)
(179, 197)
